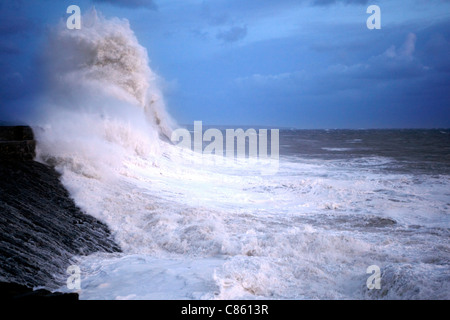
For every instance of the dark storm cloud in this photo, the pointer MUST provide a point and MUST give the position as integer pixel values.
(404, 83)
(233, 34)
(434, 47)
(11, 25)
(322, 67)
(8, 48)
(13, 20)
(11, 85)
(19, 33)
(393, 64)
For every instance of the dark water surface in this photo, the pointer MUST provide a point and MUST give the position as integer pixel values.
(411, 151)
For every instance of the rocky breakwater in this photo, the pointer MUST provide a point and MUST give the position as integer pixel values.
(41, 228)
(17, 142)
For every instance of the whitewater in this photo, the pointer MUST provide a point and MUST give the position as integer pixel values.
(191, 227)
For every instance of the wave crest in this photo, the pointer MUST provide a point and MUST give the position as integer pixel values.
(101, 94)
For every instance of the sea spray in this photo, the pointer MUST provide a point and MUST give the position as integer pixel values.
(102, 98)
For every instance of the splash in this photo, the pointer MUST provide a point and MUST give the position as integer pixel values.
(102, 101)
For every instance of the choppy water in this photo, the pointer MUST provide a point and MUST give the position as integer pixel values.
(340, 202)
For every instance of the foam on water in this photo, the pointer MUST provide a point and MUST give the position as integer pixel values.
(308, 234)
(196, 228)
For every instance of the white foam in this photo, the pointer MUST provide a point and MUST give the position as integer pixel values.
(197, 228)
(142, 277)
(337, 149)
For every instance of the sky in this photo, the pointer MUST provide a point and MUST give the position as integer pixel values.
(305, 64)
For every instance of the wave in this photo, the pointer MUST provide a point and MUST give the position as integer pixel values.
(102, 101)
(214, 231)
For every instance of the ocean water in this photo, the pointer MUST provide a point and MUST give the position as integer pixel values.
(195, 226)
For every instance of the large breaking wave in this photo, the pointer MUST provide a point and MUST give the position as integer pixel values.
(102, 98)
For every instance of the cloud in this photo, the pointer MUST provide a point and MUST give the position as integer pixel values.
(395, 67)
(270, 79)
(406, 51)
(261, 79)
(18, 32)
(14, 25)
(409, 45)
(14, 21)
(392, 64)
(149, 4)
(8, 48)
(233, 34)
(328, 2)
(434, 51)
(11, 85)
(213, 17)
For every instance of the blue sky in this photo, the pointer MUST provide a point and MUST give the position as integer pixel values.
(286, 63)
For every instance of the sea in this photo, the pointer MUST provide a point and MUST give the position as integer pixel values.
(340, 204)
